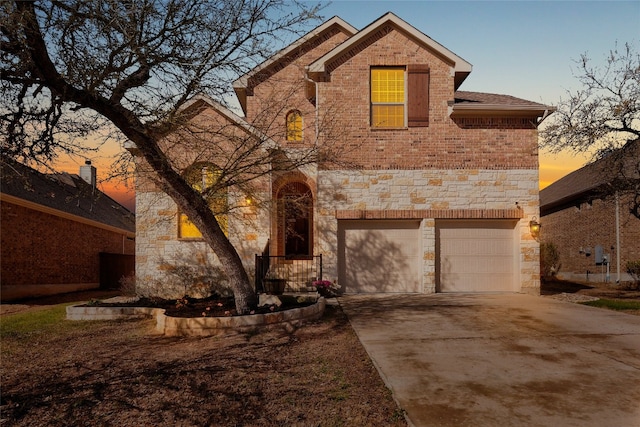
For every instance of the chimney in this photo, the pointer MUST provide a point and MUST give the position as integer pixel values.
(88, 173)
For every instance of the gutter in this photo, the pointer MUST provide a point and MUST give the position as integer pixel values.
(462, 110)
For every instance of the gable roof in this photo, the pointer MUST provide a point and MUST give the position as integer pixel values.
(204, 100)
(194, 106)
(461, 68)
(587, 182)
(63, 192)
(242, 85)
(473, 103)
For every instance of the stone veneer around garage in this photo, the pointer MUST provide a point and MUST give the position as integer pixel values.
(401, 194)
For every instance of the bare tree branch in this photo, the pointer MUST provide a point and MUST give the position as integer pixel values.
(603, 118)
(76, 67)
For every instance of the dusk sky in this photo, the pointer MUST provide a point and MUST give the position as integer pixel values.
(525, 49)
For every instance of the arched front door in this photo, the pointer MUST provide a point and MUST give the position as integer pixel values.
(296, 203)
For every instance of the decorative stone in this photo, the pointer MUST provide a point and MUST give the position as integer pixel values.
(266, 299)
(204, 326)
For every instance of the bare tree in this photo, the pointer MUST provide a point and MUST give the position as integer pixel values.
(603, 118)
(126, 69)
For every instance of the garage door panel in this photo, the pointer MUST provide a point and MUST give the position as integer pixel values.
(476, 256)
(379, 256)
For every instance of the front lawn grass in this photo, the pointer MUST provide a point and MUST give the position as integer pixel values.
(614, 304)
(28, 324)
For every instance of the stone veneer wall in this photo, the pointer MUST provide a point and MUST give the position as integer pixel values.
(158, 247)
(426, 194)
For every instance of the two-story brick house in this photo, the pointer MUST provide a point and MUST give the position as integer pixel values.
(435, 187)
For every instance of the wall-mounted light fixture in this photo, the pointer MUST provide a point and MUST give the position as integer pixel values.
(534, 227)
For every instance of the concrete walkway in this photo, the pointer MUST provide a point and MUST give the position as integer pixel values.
(502, 360)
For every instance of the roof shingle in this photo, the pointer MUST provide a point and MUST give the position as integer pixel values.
(64, 192)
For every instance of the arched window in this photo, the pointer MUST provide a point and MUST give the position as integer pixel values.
(204, 177)
(294, 126)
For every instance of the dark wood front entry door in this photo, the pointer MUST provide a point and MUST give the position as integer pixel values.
(297, 226)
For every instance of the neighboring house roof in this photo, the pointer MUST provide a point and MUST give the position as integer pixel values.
(63, 192)
(242, 84)
(587, 182)
(472, 103)
(461, 68)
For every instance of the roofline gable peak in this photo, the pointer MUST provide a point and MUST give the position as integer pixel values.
(461, 68)
(241, 84)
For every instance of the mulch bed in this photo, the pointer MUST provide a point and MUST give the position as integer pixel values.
(215, 306)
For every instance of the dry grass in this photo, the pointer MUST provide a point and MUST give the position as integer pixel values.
(120, 374)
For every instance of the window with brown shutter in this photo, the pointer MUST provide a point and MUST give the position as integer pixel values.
(418, 95)
(393, 102)
(387, 97)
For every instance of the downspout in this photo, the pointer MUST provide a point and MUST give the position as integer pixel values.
(315, 85)
(618, 237)
(317, 136)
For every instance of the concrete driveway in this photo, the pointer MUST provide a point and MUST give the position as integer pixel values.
(502, 360)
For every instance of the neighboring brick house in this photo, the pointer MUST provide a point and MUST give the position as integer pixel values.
(60, 233)
(585, 226)
(435, 189)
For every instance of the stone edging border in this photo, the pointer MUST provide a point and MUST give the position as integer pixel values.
(203, 326)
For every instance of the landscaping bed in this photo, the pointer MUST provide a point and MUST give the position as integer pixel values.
(610, 295)
(205, 317)
(214, 306)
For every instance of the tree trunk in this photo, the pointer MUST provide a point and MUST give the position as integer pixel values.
(191, 203)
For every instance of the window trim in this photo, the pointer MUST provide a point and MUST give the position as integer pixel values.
(212, 201)
(417, 80)
(296, 134)
(373, 104)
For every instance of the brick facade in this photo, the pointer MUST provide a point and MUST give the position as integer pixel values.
(466, 164)
(577, 230)
(464, 143)
(44, 253)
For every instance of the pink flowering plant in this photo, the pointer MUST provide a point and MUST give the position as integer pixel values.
(326, 288)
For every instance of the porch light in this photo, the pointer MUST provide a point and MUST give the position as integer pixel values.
(534, 227)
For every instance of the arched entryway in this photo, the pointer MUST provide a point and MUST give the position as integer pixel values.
(295, 220)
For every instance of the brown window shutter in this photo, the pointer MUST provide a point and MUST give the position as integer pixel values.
(418, 95)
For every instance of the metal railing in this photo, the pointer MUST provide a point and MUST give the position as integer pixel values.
(299, 272)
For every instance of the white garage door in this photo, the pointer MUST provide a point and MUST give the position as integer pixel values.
(476, 255)
(379, 256)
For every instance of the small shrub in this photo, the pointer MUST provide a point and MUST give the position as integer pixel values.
(549, 260)
(633, 268)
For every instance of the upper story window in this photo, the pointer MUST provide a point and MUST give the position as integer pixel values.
(387, 97)
(203, 177)
(399, 96)
(294, 126)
